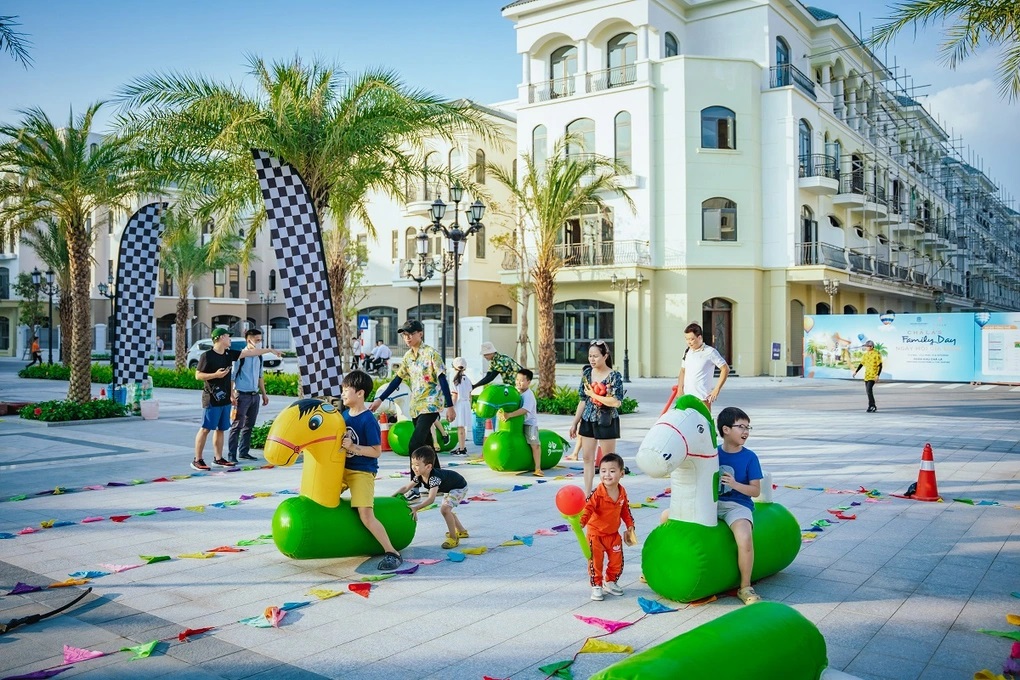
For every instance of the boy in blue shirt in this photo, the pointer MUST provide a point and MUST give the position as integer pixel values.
(740, 476)
(363, 444)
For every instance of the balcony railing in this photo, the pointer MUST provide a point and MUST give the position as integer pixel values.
(591, 254)
(819, 253)
(852, 184)
(551, 89)
(618, 76)
(819, 165)
(788, 74)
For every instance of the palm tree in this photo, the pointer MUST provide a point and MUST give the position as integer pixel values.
(14, 42)
(547, 196)
(185, 259)
(344, 134)
(63, 175)
(977, 22)
(50, 243)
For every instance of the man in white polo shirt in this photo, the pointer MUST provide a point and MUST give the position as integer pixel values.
(697, 368)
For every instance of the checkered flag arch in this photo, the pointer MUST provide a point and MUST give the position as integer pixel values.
(137, 274)
(296, 238)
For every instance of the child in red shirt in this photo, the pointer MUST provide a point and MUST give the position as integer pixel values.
(602, 514)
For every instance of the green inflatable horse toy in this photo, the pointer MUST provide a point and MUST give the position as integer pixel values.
(506, 449)
(693, 555)
(318, 523)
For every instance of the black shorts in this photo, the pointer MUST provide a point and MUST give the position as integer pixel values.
(595, 431)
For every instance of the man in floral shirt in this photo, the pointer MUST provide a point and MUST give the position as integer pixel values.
(499, 365)
(423, 370)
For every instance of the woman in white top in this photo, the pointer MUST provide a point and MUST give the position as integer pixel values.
(698, 368)
(461, 403)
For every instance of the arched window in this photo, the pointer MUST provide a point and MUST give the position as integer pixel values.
(621, 57)
(410, 243)
(386, 326)
(584, 131)
(804, 143)
(809, 245)
(872, 310)
(235, 281)
(453, 161)
(672, 45)
(718, 128)
(719, 220)
(622, 138)
(480, 244)
(849, 309)
(576, 323)
(252, 282)
(272, 279)
(562, 68)
(480, 167)
(822, 308)
(500, 314)
(783, 75)
(539, 150)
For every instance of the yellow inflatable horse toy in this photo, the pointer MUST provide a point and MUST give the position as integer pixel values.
(318, 523)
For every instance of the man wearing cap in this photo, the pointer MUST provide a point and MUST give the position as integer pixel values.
(423, 370)
(499, 365)
(214, 370)
(871, 360)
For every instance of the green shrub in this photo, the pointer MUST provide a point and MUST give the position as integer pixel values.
(565, 399)
(46, 372)
(259, 434)
(59, 411)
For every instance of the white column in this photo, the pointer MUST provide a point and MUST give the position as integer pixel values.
(432, 333)
(852, 113)
(642, 43)
(581, 79)
(474, 330)
(526, 68)
(100, 337)
(368, 336)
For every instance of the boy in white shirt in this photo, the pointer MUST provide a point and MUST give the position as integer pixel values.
(529, 409)
(696, 369)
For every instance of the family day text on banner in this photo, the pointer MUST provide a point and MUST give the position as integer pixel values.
(957, 347)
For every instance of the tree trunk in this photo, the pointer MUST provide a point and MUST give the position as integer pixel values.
(545, 289)
(522, 324)
(80, 358)
(66, 330)
(181, 326)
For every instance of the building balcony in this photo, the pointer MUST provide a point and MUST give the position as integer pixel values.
(591, 255)
(818, 253)
(418, 201)
(819, 175)
(556, 88)
(785, 75)
(618, 76)
(851, 192)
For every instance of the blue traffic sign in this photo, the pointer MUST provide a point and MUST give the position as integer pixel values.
(362, 322)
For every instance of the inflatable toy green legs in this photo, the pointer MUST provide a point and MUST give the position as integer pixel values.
(765, 641)
(400, 437)
(506, 449)
(305, 530)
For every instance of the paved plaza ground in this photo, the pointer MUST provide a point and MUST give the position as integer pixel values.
(899, 592)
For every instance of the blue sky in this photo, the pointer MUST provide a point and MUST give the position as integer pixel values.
(83, 51)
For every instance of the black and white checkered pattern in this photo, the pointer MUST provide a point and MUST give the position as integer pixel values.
(295, 235)
(137, 274)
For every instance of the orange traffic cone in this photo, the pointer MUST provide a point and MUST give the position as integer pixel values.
(102, 393)
(927, 487)
(598, 457)
(488, 427)
(384, 427)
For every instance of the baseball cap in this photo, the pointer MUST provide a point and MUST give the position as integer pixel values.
(487, 348)
(411, 326)
(218, 332)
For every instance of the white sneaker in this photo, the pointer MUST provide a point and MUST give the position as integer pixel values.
(612, 588)
(596, 593)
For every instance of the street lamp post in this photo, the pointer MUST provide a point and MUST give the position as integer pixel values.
(49, 289)
(426, 268)
(267, 300)
(627, 285)
(109, 291)
(455, 241)
(832, 288)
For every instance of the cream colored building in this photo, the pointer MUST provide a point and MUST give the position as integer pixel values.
(774, 161)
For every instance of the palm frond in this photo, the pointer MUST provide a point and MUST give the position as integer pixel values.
(14, 42)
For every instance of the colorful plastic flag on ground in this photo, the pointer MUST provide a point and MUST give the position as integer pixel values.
(190, 632)
(145, 513)
(225, 549)
(197, 556)
(653, 607)
(89, 573)
(605, 624)
(508, 544)
(27, 530)
(48, 673)
(325, 593)
(256, 622)
(119, 518)
(559, 669)
(377, 577)
(426, 562)
(195, 508)
(262, 494)
(545, 532)
(76, 654)
(596, 646)
(152, 559)
(141, 651)
(274, 615)
(22, 588)
(168, 508)
(88, 520)
(1008, 634)
(19, 497)
(362, 589)
(561, 528)
(4, 534)
(480, 550)
(409, 570)
(455, 556)
(526, 540)
(246, 497)
(68, 583)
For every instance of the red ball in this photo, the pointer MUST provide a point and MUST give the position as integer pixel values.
(570, 499)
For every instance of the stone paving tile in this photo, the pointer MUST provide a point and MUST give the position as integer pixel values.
(869, 665)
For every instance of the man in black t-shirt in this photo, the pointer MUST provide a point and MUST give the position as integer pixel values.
(214, 370)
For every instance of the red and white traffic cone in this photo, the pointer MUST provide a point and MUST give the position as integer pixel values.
(927, 486)
(488, 427)
(384, 427)
(102, 393)
(598, 457)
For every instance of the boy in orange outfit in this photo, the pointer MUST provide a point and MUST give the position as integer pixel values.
(606, 508)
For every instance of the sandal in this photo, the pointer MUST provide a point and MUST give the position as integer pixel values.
(451, 543)
(460, 534)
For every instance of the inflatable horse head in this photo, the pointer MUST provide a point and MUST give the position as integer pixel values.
(313, 427)
(681, 445)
